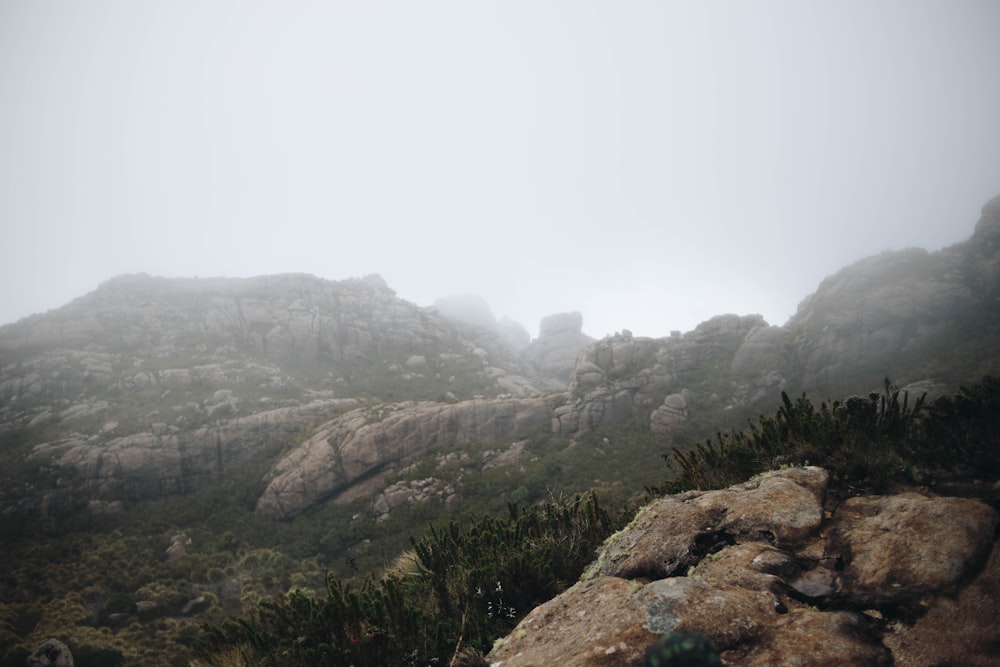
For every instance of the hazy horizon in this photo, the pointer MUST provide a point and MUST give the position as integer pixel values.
(649, 164)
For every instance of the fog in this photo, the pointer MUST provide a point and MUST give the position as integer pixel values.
(649, 164)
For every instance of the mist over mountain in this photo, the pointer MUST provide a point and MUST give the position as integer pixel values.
(150, 386)
(337, 396)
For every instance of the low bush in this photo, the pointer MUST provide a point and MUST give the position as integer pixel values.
(462, 587)
(875, 441)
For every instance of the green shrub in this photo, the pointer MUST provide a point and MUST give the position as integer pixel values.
(464, 587)
(874, 441)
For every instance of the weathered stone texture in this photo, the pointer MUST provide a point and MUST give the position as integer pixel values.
(764, 572)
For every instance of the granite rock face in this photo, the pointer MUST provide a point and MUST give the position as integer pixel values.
(912, 302)
(899, 548)
(774, 572)
(102, 469)
(150, 387)
(367, 440)
(621, 377)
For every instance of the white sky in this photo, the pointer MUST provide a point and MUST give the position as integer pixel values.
(650, 164)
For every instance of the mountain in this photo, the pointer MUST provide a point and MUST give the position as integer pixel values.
(294, 425)
(150, 386)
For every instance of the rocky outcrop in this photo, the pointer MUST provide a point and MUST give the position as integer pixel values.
(622, 377)
(347, 336)
(673, 410)
(150, 386)
(146, 386)
(875, 315)
(101, 469)
(366, 441)
(52, 653)
(560, 340)
(775, 572)
(409, 493)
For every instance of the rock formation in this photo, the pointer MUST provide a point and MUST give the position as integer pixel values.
(102, 469)
(621, 377)
(367, 440)
(776, 571)
(151, 386)
(52, 653)
(873, 315)
(560, 340)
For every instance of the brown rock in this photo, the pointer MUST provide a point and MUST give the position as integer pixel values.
(611, 621)
(900, 548)
(675, 532)
(575, 629)
(754, 565)
(730, 615)
(807, 638)
(960, 630)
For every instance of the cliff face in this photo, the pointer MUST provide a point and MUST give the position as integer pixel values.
(342, 336)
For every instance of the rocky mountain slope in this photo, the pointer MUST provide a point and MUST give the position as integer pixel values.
(149, 386)
(277, 428)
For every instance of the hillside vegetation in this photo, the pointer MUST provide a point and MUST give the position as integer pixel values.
(461, 588)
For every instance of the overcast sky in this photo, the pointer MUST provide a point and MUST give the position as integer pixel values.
(650, 164)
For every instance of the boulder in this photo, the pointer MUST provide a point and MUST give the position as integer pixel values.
(811, 638)
(675, 532)
(961, 629)
(179, 544)
(772, 577)
(899, 549)
(673, 410)
(52, 653)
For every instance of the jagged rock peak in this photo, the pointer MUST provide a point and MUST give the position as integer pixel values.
(559, 343)
(988, 227)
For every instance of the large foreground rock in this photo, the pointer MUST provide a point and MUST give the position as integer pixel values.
(775, 573)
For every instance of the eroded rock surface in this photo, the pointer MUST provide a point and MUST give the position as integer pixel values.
(899, 548)
(675, 532)
(367, 440)
(622, 376)
(776, 573)
(163, 461)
